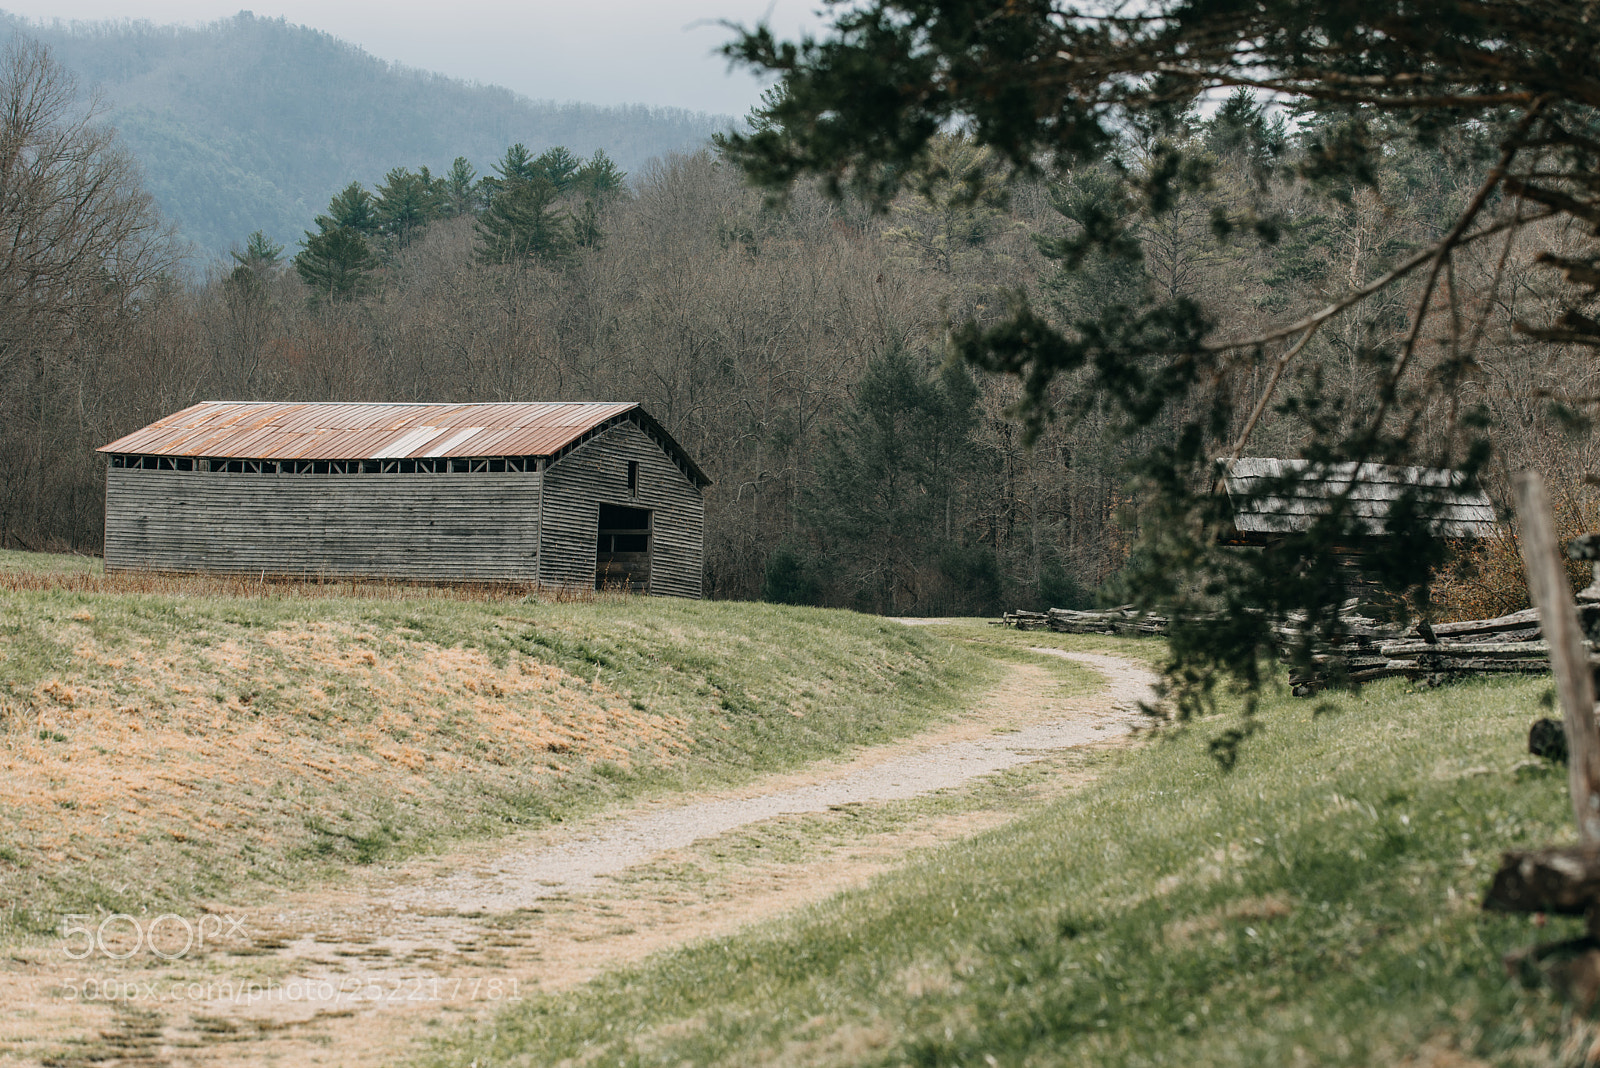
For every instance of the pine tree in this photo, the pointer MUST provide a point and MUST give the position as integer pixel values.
(599, 182)
(521, 223)
(889, 474)
(351, 208)
(336, 264)
(599, 176)
(406, 203)
(516, 165)
(460, 194)
(558, 167)
(260, 258)
(261, 253)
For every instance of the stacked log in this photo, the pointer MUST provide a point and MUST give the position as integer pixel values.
(1367, 650)
(1509, 644)
(1123, 620)
(1026, 620)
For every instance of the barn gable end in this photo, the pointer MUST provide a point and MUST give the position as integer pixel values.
(597, 473)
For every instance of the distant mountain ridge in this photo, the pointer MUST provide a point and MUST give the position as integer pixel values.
(252, 124)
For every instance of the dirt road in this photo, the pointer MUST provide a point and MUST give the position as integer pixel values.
(361, 973)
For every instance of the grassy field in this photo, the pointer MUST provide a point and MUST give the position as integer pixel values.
(170, 740)
(1317, 906)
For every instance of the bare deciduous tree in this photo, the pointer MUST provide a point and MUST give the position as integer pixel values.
(79, 240)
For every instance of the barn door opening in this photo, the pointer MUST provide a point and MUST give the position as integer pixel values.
(622, 553)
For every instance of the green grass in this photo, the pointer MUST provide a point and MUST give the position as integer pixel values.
(1318, 905)
(161, 747)
(49, 563)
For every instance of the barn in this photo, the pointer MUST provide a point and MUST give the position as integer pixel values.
(575, 495)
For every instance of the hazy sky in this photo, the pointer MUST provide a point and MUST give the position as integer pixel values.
(601, 51)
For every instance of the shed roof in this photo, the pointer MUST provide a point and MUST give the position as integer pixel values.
(272, 430)
(1262, 504)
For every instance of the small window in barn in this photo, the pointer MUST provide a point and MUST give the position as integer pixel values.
(633, 478)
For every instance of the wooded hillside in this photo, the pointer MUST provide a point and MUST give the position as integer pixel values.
(252, 123)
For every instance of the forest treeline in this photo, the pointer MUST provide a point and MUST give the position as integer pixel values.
(801, 351)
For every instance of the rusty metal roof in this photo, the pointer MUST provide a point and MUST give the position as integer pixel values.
(271, 430)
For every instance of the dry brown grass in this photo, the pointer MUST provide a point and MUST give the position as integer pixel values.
(257, 747)
(1486, 580)
(165, 738)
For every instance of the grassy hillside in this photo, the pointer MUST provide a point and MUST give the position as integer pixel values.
(163, 740)
(252, 123)
(1317, 906)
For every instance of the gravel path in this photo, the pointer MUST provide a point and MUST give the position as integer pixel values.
(354, 975)
(518, 879)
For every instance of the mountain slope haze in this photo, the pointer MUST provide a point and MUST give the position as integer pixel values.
(250, 123)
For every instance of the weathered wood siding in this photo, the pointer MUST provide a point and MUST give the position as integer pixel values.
(441, 527)
(596, 473)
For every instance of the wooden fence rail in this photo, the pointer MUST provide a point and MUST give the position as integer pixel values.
(1368, 650)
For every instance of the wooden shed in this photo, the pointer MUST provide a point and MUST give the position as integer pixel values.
(586, 495)
(1270, 498)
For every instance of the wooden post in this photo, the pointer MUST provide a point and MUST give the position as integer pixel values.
(1569, 656)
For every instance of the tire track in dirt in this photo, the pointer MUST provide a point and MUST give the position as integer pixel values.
(356, 975)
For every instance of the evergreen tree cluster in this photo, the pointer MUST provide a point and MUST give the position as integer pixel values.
(534, 209)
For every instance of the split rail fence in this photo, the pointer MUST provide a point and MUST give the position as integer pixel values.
(1369, 650)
